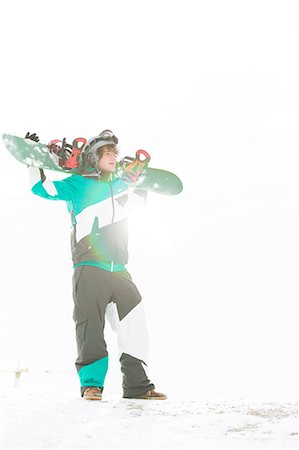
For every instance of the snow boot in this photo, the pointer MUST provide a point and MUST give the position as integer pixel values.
(151, 395)
(92, 393)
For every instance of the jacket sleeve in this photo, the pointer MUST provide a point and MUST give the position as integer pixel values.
(51, 190)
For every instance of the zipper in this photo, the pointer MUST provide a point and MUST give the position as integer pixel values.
(113, 216)
(112, 200)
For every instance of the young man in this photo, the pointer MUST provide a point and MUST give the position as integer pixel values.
(98, 203)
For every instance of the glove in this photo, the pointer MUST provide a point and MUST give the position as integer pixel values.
(32, 137)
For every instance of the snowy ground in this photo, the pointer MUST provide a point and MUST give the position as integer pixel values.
(47, 415)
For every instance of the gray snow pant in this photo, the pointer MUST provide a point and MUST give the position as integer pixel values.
(99, 294)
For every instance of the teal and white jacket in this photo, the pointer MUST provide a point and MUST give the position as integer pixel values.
(99, 215)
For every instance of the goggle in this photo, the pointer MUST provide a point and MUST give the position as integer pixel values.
(106, 135)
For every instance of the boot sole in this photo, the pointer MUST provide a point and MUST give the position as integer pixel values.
(147, 398)
(92, 398)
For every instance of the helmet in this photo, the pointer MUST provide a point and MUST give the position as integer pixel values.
(91, 157)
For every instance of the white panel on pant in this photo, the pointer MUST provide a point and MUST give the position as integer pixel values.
(132, 335)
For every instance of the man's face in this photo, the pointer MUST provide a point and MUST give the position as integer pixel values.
(107, 162)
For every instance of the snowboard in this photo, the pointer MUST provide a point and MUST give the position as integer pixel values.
(69, 159)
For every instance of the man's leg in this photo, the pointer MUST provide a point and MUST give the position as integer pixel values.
(135, 380)
(126, 316)
(92, 291)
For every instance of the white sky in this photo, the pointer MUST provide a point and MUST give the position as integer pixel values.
(210, 89)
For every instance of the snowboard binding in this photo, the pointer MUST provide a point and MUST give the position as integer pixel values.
(132, 169)
(68, 155)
